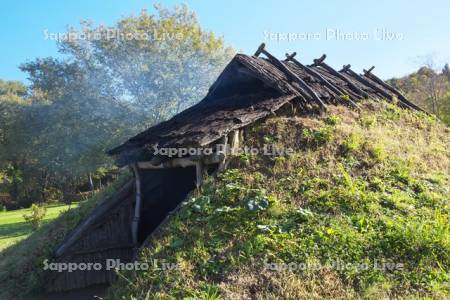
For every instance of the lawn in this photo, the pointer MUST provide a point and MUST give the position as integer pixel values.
(13, 227)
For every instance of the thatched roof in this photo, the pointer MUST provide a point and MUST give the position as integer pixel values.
(251, 88)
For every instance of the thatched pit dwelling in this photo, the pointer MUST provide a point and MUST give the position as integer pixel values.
(249, 89)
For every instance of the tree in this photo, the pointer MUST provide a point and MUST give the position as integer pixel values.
(428, 88)
(111, 84)
(446, 71)
(36, 216)
(160, 63)
(11, 101)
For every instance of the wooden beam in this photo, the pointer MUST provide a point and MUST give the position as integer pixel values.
(103, 249)
(369, 74)
(320, 62)
(172, 163)
(222, 163)
(319, 77)
(181, 162)
(259, 50)
(313, 73)
(347, 69)
(199, 173)
(309, 94)
(106, 205)
(234, 140)
(137, 206)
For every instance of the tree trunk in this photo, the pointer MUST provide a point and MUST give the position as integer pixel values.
(91, 182)
(43, 185)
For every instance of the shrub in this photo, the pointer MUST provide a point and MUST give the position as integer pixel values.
(36, 216)
(333, 120)
(318, 136)
(352, 143)
(368, 121)
(345, 97)
(377, 152)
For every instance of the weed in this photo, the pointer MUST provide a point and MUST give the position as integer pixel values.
(352, 143)
(36, 216)
(333, 120)
(318, 136)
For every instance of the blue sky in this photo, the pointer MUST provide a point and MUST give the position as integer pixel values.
(395, 36)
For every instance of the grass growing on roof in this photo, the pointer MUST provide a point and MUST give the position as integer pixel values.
(364, 199)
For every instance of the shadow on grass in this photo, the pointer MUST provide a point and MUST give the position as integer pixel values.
(14, 230)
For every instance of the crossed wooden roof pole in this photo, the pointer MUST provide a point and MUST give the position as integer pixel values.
(367, 79)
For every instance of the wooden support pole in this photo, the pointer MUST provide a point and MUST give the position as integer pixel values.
(180, 162)
(369, 74)
(222, 163)
(99, 212)
(313, 73)
(234, 140)
(284, 68)
(320, 62)
(199, 173)
(347, 69)
(319, 77)
(370, 70)
(260, 49)
(137, 206)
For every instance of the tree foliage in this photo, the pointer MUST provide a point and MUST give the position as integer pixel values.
(429, 89)
(112, 82)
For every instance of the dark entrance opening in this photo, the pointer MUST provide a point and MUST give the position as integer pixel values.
(162, 191)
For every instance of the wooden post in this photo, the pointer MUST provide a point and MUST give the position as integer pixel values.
(91, 182)
(199, 173)
(259, 50)
(222, 163)
(234, 140)
(241, 135)
(137, 206)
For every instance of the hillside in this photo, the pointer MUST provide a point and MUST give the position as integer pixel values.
(359, 210)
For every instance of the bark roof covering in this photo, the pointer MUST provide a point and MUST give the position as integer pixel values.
(248, 89)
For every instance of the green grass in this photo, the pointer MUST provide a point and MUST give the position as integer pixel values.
(13, 227)
(21, 264)
(356, 192)
(361, 188)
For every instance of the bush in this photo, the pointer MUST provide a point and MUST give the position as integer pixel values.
(377, 152)
(368, 121)
(333, 120)
(352, 143)
(36, 216)
(318, 136)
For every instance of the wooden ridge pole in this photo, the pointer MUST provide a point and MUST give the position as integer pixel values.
(137, 207)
